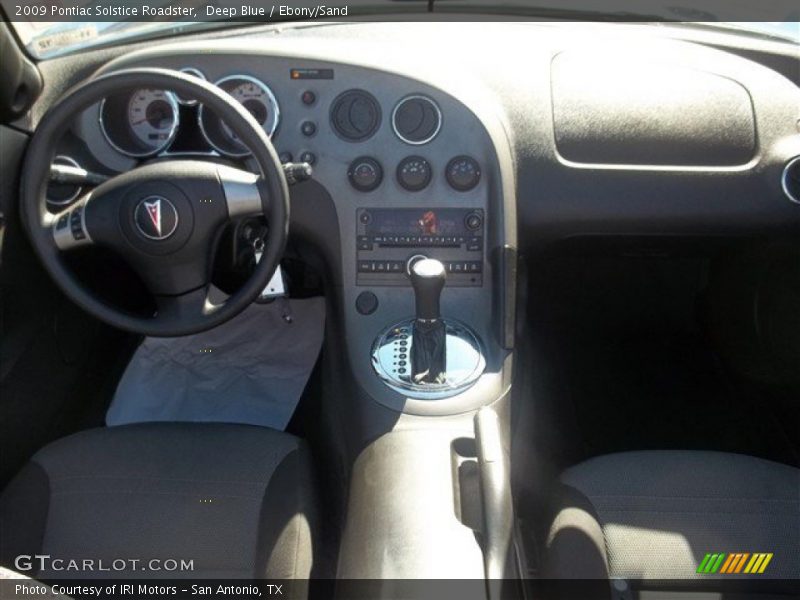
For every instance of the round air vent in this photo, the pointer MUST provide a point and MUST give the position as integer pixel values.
(791, 180)
(416, 119)
(355, 115)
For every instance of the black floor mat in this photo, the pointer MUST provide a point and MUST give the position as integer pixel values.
(628, 366)
(664, 392)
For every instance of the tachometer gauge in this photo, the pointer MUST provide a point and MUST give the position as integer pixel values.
(256, 97)
(140, 124)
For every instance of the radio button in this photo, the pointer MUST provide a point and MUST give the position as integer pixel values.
(465, 267)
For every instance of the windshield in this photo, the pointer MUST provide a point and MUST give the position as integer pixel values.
(46, 39)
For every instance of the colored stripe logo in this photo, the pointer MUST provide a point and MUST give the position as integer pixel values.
(736, 562)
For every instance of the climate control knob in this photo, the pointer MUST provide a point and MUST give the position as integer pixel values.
(463, 173)
(365, 174)
(414, 173)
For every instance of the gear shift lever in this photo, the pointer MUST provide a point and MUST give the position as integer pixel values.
(430, 373)
(429, 348)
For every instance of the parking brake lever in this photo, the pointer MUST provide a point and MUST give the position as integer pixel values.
(498, 512)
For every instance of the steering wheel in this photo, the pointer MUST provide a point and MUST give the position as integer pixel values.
(162, 218)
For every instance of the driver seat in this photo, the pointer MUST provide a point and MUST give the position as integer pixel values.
(236, 500)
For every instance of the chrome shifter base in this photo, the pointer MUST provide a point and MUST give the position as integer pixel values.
(391, 359)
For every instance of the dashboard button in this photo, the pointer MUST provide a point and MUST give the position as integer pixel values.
(308, 98)
(474, 244)
(285, 157)
(308, 157)
(308, 128)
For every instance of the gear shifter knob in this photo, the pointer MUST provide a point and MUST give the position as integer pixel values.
(427, 277)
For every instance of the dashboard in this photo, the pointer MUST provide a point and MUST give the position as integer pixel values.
(472, 144)
(602, 129)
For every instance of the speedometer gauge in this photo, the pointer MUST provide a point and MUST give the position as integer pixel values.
(141, 123)
(151, 116)
(253, 95)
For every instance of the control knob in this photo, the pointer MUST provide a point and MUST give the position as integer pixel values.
(463, 173)
(365, 174)
(414, 173)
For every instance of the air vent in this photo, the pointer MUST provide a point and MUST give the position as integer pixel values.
(416, 120)
(355, 115)
(791, 180)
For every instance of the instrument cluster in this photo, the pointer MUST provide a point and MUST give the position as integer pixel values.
(147, 122)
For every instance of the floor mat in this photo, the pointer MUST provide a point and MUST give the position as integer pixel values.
(250, 370)
(623, 353)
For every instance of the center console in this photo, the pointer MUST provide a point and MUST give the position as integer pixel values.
(431, 504)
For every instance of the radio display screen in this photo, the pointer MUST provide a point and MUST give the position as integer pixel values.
(418, 222)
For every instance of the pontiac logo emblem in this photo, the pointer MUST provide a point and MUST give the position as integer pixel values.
(156, 218)
(154, 210)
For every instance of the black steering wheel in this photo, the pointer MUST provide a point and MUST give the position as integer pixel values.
(162, 218)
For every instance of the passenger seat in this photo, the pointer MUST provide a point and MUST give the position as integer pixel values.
(655, 515)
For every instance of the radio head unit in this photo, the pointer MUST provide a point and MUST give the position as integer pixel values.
(388, 238)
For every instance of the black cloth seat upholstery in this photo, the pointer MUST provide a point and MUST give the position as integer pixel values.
(235, 500)
(655, 514)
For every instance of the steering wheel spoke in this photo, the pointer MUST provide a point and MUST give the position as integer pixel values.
(246, 194)
(69, 227)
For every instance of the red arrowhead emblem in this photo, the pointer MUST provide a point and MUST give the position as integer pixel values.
(154, 212)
